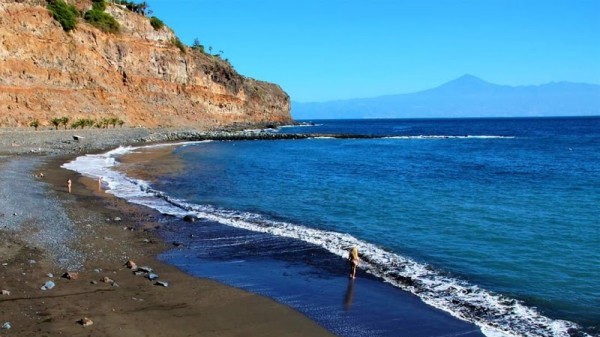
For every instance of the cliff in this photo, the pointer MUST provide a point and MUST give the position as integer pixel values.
(137, 75)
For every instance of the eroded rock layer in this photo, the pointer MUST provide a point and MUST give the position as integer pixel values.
(138, 75)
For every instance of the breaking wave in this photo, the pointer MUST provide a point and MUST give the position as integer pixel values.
(495, 314)
(451, 137)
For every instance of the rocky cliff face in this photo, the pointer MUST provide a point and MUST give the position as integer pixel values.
(137, 75)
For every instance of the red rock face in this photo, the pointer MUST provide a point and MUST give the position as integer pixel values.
(138, 75)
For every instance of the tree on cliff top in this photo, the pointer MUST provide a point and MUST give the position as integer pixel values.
(197, 45)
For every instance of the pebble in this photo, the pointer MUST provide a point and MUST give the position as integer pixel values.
(50, 275)
(48, 285)
(85, 321)
(70, 275)
(117, 218)
(5, 292)
(131, 265)
(6, 326)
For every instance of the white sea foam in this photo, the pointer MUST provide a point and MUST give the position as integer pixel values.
(299, 125)
(450, 137)
(496, 315)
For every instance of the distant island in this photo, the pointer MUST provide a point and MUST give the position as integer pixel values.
(466, 96)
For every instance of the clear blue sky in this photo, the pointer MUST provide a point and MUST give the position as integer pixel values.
(321, 50)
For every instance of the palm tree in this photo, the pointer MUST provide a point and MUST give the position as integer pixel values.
(64, 120)
(88, 122)
(56, 122)
(35, 124)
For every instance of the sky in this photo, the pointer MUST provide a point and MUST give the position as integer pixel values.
(324, 50)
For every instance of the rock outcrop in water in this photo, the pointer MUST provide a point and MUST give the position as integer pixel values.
(138, 75)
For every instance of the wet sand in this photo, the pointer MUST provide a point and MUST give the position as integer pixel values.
(95, 237)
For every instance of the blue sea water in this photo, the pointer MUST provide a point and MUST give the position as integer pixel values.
(493, 221)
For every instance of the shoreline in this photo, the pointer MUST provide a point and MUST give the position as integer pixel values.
(101, 233)
(19, 141)
(311, 295)
(136, 231)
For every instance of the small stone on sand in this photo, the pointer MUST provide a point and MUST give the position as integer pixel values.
(131, 265)
(70, 275)
(48, 285)
(5, 292)
(85, 321)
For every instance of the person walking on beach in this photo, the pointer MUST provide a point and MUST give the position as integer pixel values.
(353, 259)
(69, 185)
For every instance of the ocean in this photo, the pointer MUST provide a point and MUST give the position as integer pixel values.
(465, 227)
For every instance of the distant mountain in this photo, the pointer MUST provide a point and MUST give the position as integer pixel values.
(467, 96)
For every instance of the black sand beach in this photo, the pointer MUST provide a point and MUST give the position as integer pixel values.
(47, 232)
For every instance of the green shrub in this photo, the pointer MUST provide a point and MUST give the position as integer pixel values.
(99, 5)
(156, 23)
(177, 43)
(103, 21)
(64, 13)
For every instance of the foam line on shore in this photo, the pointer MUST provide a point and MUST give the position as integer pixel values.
(451, 137)
(495, 314)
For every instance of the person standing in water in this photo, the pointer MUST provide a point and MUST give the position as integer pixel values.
(353, 259)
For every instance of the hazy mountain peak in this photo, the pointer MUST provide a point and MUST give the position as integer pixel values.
(466, 82)
(466, 96)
